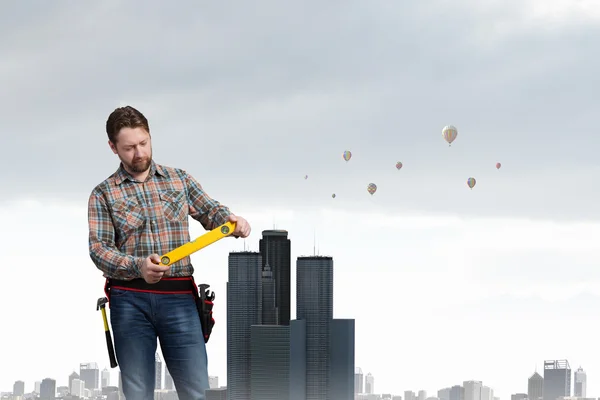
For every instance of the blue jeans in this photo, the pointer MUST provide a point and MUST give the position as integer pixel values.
(137, 319)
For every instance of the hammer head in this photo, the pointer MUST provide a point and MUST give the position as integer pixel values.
(101, 302)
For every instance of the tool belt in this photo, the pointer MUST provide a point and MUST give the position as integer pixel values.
(177, 285)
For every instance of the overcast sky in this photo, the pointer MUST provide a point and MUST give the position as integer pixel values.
(479, 284)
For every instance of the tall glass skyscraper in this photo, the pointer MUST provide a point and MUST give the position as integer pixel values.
(244, 309)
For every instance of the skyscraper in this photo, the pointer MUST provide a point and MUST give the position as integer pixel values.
(169, 384)
(457, 392)
(158, 370)
(19, 388)
(73, 375)
(329, 363)
(341, 367)
(314, 291)
(276, 248)
(369, 384)
(359, 381)
(48, 389)
(472, 390)
(557, 379)
(278, 363)
(535, 387)
(244, 309)
(487, 393)
(105, 381)
(90, 374)
(580, 383)
(269, 296)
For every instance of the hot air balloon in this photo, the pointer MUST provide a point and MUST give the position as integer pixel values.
(471, 182)
(347, 155)
(498, 165)
(372, 188)
(398, 165)
(305, 176)
(333, 196)
(449, 133)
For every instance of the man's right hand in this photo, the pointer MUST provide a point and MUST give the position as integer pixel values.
(151, 270)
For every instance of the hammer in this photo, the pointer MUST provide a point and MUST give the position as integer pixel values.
(111, 350)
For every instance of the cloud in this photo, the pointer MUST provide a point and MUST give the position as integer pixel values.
(250, 104)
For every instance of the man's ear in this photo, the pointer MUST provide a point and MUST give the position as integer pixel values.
(112, 147)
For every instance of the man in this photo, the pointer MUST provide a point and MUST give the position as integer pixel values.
(136, 214)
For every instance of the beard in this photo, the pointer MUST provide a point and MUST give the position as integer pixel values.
(139, 165)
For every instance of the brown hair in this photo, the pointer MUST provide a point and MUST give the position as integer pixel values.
(125, 117)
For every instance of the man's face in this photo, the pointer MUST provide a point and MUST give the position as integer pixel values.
(134, 148)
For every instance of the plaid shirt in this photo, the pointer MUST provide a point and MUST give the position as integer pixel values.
(129, 220)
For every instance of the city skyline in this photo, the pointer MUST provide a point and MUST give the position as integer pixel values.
(259, 102)
(364, 384)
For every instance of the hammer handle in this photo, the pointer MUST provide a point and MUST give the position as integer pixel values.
(111, 350)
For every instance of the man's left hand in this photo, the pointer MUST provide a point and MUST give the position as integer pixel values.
(242, 227)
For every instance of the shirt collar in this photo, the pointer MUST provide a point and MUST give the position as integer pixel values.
(121, 175)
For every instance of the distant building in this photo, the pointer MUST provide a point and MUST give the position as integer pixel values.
(518, 396)
(19, 388)
(557, 379)
(73, 376)
(472, 390)
(535, 387)
(158, 372)
(369, 384)
(216, 394)
(580, 383)
(48, 389)
(169, 384)
(105, 378)
(90, 374)
(359, 380)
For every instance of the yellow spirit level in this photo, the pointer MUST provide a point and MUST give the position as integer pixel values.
(197, 244)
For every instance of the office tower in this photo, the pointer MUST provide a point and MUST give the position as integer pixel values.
(19, 388)
(472, 390)
(278, 361)
(269, 298)
(422, 395)
(369, 384)
(359, 380)
(557, 379)
(244, 309)
(314, 304)
(169, 384)
(48, 389)
(487, 393)
(457, 392)
(121, 386)
(409, 395)
(158, 369)
(216, 394)
(77, 388)
(37, 386)
(90, 374)
(213, 382)
(105, 378)
(518, 396)
(580, 383)
(341, 379)
(535, 387)
(444, 394)
(276, 247)
(73, 376)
